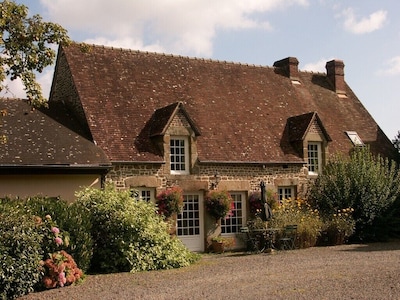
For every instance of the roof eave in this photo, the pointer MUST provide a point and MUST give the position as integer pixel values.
(252, 162)
(54, 169)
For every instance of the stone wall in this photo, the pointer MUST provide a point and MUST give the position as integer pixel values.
(233, 177)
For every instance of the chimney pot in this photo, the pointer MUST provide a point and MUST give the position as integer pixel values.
(335, 75)
(288, 67)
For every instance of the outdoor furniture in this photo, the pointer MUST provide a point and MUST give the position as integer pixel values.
(260, 239)
(288, 239)
(270, 237)
(254, 239)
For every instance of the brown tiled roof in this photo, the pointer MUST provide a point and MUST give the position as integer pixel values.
(241, 110)
(32, 139)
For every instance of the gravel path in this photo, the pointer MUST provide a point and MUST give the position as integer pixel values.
(342, 272)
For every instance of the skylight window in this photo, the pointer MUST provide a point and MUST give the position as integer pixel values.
(355, 139)
(295, 81)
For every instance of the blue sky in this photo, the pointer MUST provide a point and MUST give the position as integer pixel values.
(364, 34)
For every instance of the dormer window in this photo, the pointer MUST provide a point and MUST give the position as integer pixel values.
(179, 155)
(308, 135)
(175, 132)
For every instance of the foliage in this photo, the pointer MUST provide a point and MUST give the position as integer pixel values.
(131, 232)
(256, 203)
(396, 141)
(170, 201)
(25, 241)
(20, 254)
(69, 217)
(25, 46)
(256, 223)
(60, 270)
(298, 212)
(366, 183)
(219, 204)
(226, 241)
(341, 222)
(52, 238)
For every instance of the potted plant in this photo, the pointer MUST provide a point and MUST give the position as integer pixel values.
(170, 201)
(219, 243)
(219, 204)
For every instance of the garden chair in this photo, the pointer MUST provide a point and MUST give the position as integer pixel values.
(288, 239)
(253, 242)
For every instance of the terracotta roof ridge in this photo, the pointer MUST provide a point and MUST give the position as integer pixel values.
(204, 59)
(14, 98)
(313, 72)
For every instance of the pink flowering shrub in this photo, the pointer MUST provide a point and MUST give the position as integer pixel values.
(60, 270)
(53, 238)
(170, 201)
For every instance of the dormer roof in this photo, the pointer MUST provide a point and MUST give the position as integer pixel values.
(162, 118)
(299, 126)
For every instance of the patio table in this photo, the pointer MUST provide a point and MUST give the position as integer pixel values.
(266, 237)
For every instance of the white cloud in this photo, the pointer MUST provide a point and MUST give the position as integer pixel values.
(178, 26)
(45, 80)
(393, 67)
(373, 22)
(318, 66)
(125, 43)
(12, 89)
(16, 89)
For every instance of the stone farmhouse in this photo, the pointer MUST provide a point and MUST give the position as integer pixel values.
(149, 121)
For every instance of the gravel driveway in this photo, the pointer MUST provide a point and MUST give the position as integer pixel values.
(342, 272)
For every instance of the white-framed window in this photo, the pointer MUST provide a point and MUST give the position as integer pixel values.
(233, 223)
(145, 194)
(314, 158)
(285, 192)
(179, 155)
(189, 221)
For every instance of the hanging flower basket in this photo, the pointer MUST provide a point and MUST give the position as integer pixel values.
(219, 204)
(170, 201)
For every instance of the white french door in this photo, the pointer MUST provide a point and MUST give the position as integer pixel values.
(190, 227)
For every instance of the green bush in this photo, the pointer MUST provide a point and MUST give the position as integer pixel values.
(68, 217)
(298, 212)
(128, 234)
(20, 254)
(366, 183)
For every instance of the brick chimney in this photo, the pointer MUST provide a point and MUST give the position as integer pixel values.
(335, 75)
(288, 67)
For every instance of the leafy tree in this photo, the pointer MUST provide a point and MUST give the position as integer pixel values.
(396, 141)
(25, 47)
(368, 184)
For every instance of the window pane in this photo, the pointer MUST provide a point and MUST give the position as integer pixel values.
(177, 155)
(313, 153)
(233, 223)
(188, 222)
